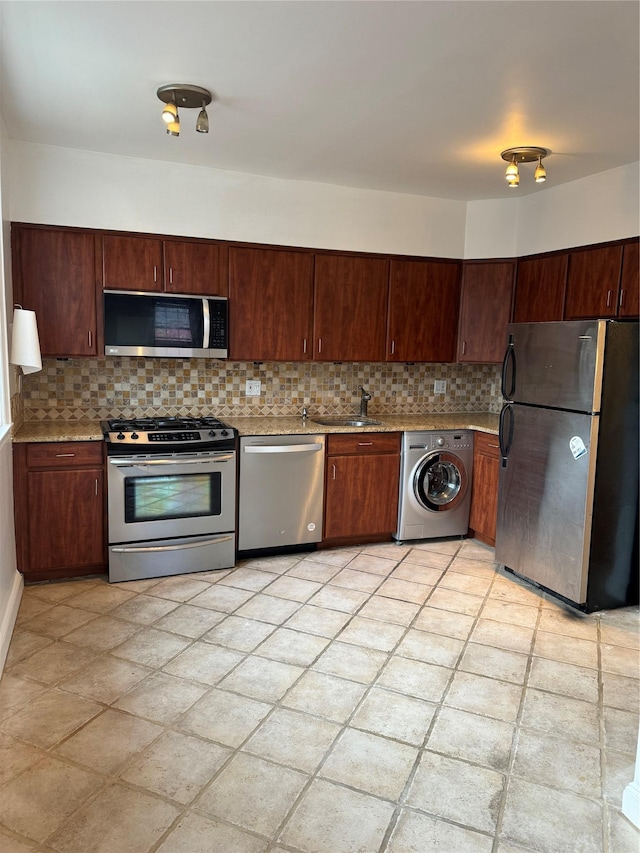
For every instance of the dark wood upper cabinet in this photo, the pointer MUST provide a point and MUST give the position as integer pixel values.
(170, 266)
(270, 302)
(485, 310)
(629, 299)
(540, 289)
(131, 263)
(593, 283)
(350, 308)
(54, 274)
(199, 268)
(424, 301)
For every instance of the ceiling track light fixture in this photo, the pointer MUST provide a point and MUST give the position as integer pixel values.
(526, 154)
(184, 96)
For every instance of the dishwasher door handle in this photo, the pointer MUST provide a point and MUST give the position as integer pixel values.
(284, 448)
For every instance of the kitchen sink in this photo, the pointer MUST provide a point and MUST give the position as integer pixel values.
(354, 421)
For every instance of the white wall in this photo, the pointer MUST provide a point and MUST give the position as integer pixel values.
(492, 228)
(592, 210)
(67, 187)
(60, 186)
(10, 579)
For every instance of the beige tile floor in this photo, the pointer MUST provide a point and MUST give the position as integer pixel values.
(383, 698)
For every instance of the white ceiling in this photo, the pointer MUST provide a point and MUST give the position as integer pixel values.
(414, 97)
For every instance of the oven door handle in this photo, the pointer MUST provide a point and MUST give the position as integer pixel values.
(131, 463)
(149, 549)
(283, 448)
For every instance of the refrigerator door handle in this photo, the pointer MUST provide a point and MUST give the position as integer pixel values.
(505, 435)
(509, 360)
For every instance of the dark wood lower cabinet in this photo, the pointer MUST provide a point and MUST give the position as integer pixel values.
(484, 488)
(59, 509)
(361, 487)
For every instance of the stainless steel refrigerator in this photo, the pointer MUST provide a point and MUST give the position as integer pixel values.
(568, 487)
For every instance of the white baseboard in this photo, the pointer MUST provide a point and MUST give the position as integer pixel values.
(8, 616)
(631, 803)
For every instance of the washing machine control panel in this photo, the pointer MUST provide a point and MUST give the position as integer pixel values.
(450, 441)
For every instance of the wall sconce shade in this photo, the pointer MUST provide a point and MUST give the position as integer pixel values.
(25, 343)
(526, 154)
(184, 96)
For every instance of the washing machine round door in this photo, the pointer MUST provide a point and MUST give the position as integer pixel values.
(440, 481)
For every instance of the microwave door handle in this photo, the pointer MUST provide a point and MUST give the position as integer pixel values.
(206, 331)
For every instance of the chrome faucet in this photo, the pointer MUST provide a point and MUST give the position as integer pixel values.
(364, 399)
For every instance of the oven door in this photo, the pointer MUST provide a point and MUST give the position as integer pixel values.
(173, 495)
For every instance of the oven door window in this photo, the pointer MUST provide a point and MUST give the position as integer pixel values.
(170, 496)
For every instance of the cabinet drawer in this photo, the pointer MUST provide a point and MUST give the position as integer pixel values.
(486, 443)
(64, 454)
(363, 442)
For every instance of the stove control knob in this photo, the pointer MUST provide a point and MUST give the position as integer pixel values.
(212, 433)
(134, 436)
(440, 441)
(120, 436)
(224, 432)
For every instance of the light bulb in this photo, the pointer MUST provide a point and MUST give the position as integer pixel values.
(514, 180)
(512, 171)
(170, 113)
(540, 173)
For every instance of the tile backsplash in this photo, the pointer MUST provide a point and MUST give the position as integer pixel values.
(138, 387)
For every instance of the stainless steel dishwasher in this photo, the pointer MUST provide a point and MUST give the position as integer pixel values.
(281, 491)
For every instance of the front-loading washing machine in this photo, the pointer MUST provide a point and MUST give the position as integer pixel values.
(435, 484)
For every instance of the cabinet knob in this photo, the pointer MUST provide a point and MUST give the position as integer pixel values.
(319, 345)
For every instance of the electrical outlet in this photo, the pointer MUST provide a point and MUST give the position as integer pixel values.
(253, 388)
(440, 386)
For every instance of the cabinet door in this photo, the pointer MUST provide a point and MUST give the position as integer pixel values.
(540, 289)
(484, 489)
(198, 268)
(629, 299)
(593, 282)
(270, 302)
(65, 518)
(350, 310)
(361, 496)
(424, 301)
(55, 276)
(487, 290)
(131, 263)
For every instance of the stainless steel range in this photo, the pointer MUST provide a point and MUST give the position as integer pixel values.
(171, 496)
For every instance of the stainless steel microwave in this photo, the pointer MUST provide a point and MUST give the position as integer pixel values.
(165, 324)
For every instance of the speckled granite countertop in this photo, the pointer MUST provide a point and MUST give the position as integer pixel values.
(482, 421)
(55, 430)
(58, 430)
